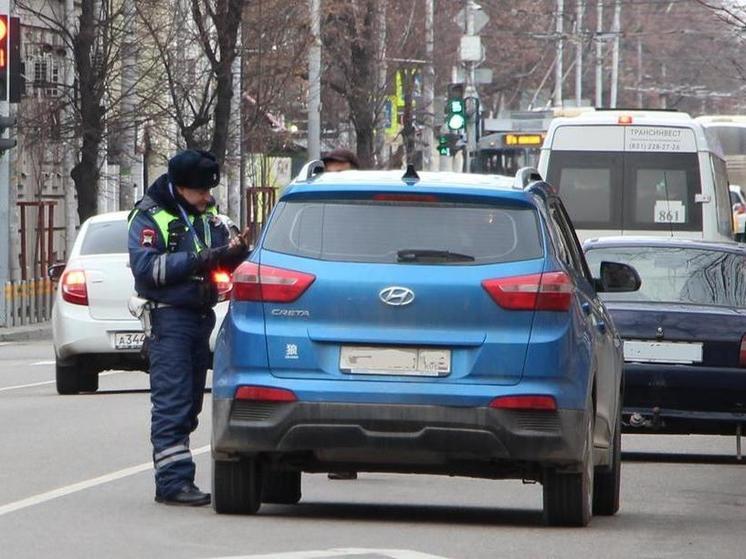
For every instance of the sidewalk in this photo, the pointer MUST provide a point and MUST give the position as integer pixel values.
(40, 331)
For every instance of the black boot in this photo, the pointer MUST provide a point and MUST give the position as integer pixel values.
(187, 496)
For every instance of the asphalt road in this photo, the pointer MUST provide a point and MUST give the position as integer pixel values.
(76, 481)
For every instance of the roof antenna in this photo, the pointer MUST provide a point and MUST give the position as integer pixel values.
(410, 175)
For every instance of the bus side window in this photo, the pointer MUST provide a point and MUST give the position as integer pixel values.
(722, 197)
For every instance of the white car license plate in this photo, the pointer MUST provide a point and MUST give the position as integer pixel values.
(426, 362)
(129, 340)
(662, 352)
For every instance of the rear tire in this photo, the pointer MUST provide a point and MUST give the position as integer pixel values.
(72, 378)
(568, 497)
(608, 479)
(281, 488)
(236, 486)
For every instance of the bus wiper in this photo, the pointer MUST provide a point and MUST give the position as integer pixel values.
(425, 255)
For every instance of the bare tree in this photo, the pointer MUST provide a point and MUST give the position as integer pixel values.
(195, 43)
(94, 101)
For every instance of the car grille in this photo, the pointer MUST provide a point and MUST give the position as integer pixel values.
(543, 421)
(253, 411)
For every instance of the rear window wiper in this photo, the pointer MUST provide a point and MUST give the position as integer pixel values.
(425, 255)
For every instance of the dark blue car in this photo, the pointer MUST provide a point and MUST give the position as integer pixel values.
(684, 332)
(442, 324)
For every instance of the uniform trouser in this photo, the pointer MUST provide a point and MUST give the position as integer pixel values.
(179, 358)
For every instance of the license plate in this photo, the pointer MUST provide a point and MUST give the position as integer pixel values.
(662, 352)
(425, 362)
(128, 340)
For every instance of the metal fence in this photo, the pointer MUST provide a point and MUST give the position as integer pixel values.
(28, 301)
(259, 200)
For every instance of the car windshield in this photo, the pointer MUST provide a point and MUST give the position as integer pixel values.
(678, 275)
(405, 232)
(108, 237)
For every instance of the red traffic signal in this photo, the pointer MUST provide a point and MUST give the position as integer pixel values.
(3, 42)
(11, 75)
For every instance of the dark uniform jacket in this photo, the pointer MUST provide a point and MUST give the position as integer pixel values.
(163, 249)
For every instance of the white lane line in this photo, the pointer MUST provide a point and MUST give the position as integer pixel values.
(4, 388)
(349, 552)
(39, 363)
(74, 488)
(26, 385)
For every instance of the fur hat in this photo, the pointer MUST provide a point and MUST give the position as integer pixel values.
(194, 168)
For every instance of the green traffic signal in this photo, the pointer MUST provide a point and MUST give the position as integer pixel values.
(456, 121)
(456, 114)
(443, 148)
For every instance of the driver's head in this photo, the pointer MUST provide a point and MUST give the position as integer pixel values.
(340, 160)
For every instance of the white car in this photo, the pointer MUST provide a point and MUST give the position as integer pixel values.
(92, 328)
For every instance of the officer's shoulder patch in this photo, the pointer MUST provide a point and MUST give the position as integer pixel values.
(147, 237)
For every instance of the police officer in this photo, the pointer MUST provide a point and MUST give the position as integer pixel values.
(176, 244)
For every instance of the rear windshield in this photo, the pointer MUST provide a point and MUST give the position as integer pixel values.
(678, 275)
(628, 190)
(105, 238)
(387, 232)
(732, 139)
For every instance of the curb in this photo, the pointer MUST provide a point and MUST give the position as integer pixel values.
(41, 331)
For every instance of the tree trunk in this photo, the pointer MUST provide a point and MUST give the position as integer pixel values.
(85, 173)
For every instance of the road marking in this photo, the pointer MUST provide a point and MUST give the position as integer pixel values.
(74, 488)
(38, 363)
(26, 385)
(349, 552)
(5, 388)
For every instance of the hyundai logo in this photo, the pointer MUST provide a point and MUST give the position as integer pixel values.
(396, 296)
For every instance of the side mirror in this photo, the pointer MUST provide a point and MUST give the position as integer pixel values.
(617, 278)
(54, 272)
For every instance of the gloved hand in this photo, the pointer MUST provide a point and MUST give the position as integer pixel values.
(209, 259)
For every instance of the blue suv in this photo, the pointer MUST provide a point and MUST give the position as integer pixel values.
(441, 324)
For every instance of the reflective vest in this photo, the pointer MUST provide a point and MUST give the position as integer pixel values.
(163, 218)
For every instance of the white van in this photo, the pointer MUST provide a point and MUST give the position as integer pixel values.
(639, 173)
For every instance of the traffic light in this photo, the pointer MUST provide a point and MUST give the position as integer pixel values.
(4, 32)
(455, 107)
(443, 148)
(11, 77)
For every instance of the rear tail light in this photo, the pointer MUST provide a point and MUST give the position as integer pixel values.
(742, 352)
(265, 394)
(73, 287)
(255, 282)
(624, 120)
(547, 403)
(222, 282)
(550, 291)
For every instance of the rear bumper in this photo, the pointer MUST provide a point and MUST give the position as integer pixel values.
(76, 333)
(396, 437)
(684, 398)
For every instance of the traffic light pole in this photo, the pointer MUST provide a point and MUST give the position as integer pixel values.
(471, 93)
(5, 222)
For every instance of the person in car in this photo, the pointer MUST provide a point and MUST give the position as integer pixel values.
(340, 160)
(176, 244)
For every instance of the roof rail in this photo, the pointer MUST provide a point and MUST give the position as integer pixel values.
(525, 176)
(310, 170)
